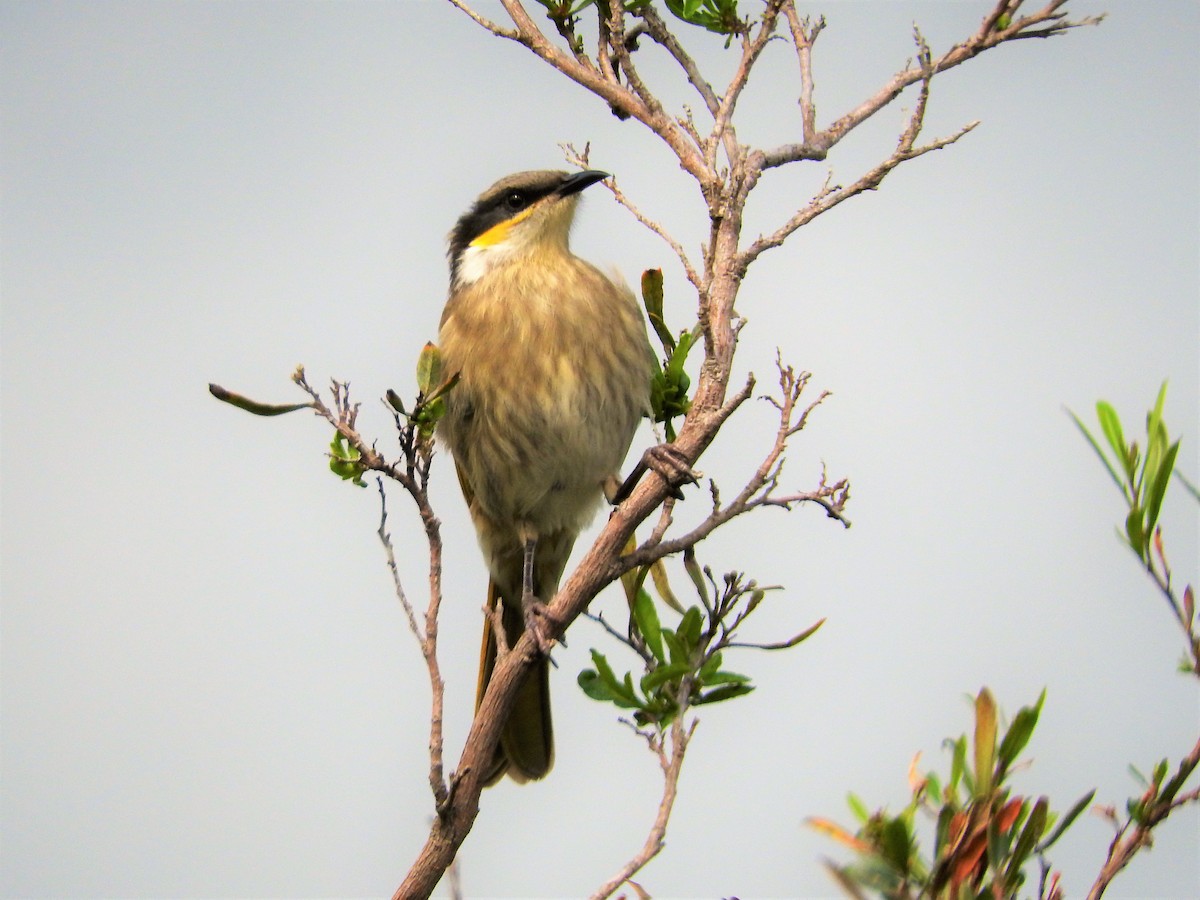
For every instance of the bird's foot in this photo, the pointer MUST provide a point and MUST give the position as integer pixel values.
(671, 464)
(668, 462)
(539, 622)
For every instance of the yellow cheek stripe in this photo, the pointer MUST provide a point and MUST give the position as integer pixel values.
(498, 233)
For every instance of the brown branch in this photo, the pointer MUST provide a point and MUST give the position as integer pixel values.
(485, 23)
(752, 48)
(760, 487)
(615, 25)
(427, 642)
(828, 198)
(661, 35)
(618, 96)
(804, 36)
(414, 478)
(672, 766)
(1131, 837)
(581, 159)
(987, 37)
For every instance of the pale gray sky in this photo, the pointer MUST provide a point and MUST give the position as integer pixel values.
(208, 686)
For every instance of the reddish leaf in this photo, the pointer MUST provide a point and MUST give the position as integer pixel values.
(1009, 814)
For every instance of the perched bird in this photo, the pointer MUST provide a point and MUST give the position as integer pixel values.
(554, 374)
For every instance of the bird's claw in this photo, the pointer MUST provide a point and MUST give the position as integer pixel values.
(665, 460)
(672, 466)
(538, 622)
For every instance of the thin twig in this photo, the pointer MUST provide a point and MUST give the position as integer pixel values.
(672, 766)
(385, 538)
(1131, 838)
(803, 38)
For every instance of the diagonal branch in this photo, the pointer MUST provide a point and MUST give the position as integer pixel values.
(618, 96)
(672, 767)
(1047, 22)
(906, 149)
(752, 48)
(759, 490)
(1128, 842)
(486, 23)
(658, 31)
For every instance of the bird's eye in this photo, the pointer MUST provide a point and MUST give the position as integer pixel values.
(514, 201)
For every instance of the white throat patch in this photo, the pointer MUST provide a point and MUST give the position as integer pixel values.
(476, 261)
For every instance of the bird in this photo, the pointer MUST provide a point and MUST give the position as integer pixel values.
(554, 368)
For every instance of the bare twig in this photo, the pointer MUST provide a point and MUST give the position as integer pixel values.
(759, 490)
(498, 30)
(688, 269)
(385, 538)
(428, 643)
(1133, 836)
(752, 47)
(657, 29)
(987, 37)
(804, 35)
(672, 765)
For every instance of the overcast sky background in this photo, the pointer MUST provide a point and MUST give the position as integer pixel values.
(208, 686)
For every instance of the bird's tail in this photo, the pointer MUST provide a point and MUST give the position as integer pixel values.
(526, 748)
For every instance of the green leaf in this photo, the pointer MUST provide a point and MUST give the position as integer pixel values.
(429, 368)
(589, 681)
(997, 845)
(985, 742)
(692, 567)
(1099, 452)
(958, 763)
(1019, 732)
(1156, 487)
(711, 665)
(1030, 835)
(933, 788)
(1138, 539)
(689, 628)
(1133, 806)
(619, 692)
(253, 406)
(652, 299)
(646, 618)
(942, 831)
(723, 677)
(675, 649)
(725, 692)
(1110, 424)
(662, 586)
(858, 807)
(1154, 420)
(1160, 772)
(896, 844)
(660, 675)
(1065, 823)
(344, 460)
(444, 388)
(395, 402)
(632, 579)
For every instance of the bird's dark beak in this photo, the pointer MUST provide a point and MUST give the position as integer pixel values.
(573, 184)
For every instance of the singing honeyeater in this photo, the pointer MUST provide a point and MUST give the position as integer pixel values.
(554, 373)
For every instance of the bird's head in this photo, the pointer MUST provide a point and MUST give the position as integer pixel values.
(516, 215)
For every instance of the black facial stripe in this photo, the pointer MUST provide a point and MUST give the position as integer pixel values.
(500, 202)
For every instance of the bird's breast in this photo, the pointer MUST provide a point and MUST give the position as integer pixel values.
(554, 376)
